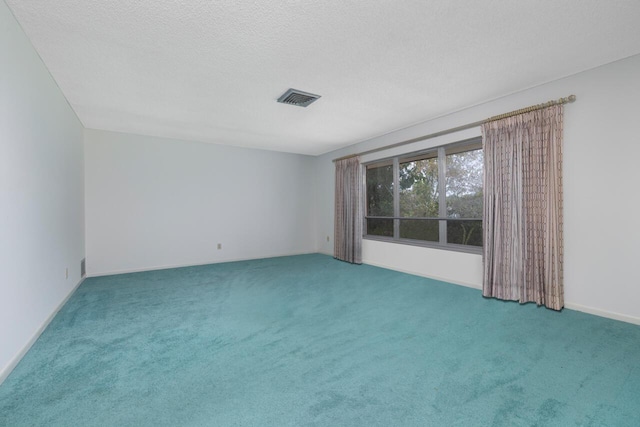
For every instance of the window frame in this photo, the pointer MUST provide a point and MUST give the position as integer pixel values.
(441, 152)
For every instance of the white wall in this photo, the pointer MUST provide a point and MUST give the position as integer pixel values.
(155, 203)
(41, 195)
(601, 177)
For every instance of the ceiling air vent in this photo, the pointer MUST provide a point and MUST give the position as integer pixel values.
(297, 97)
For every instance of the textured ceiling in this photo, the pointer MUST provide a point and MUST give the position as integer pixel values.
(212, 70)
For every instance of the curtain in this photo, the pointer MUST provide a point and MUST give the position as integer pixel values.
(523, 208)
(347, 241)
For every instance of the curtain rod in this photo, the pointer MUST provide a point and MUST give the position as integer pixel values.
(568, 99)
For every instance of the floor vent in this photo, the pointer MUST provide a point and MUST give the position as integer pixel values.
(297, 97)
(83, 267)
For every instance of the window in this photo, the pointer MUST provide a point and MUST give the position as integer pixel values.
(432, 198)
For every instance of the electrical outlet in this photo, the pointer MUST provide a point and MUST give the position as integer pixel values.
(219, 245)
(66, 273)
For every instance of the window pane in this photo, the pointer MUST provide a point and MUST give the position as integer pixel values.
(419, 188)
(464, 184)
(438, 193)
(464, 232)
(420, 229)
(380, 191)
(380, 227)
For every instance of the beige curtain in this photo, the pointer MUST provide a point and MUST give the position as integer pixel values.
(523, 208)
(347, 241)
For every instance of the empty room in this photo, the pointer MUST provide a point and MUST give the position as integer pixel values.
(319, 213)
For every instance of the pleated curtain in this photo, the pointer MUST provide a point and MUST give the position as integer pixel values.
(348, 211)
(523, 244)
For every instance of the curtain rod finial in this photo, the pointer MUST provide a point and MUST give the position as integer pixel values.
(571, 98)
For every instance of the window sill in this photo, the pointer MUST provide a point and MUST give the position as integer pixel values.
(432, 245)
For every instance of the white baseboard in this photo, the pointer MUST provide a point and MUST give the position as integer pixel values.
(417, 273)
(6, 370)
(603, 313)
(568, 305)
(167, 267)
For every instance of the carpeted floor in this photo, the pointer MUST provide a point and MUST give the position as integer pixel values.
(310, 341)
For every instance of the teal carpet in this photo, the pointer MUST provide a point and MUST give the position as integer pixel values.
(310, 341)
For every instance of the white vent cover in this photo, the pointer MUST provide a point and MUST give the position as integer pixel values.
(297, 97)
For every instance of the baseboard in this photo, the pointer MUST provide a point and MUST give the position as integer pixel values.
(6, 371)
(168, 267)
(568, 305)
(603, 313)
(417, 273)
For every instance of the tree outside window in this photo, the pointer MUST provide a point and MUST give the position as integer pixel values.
(437, 200)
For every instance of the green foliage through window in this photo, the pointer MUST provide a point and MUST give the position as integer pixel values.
(438, 197)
